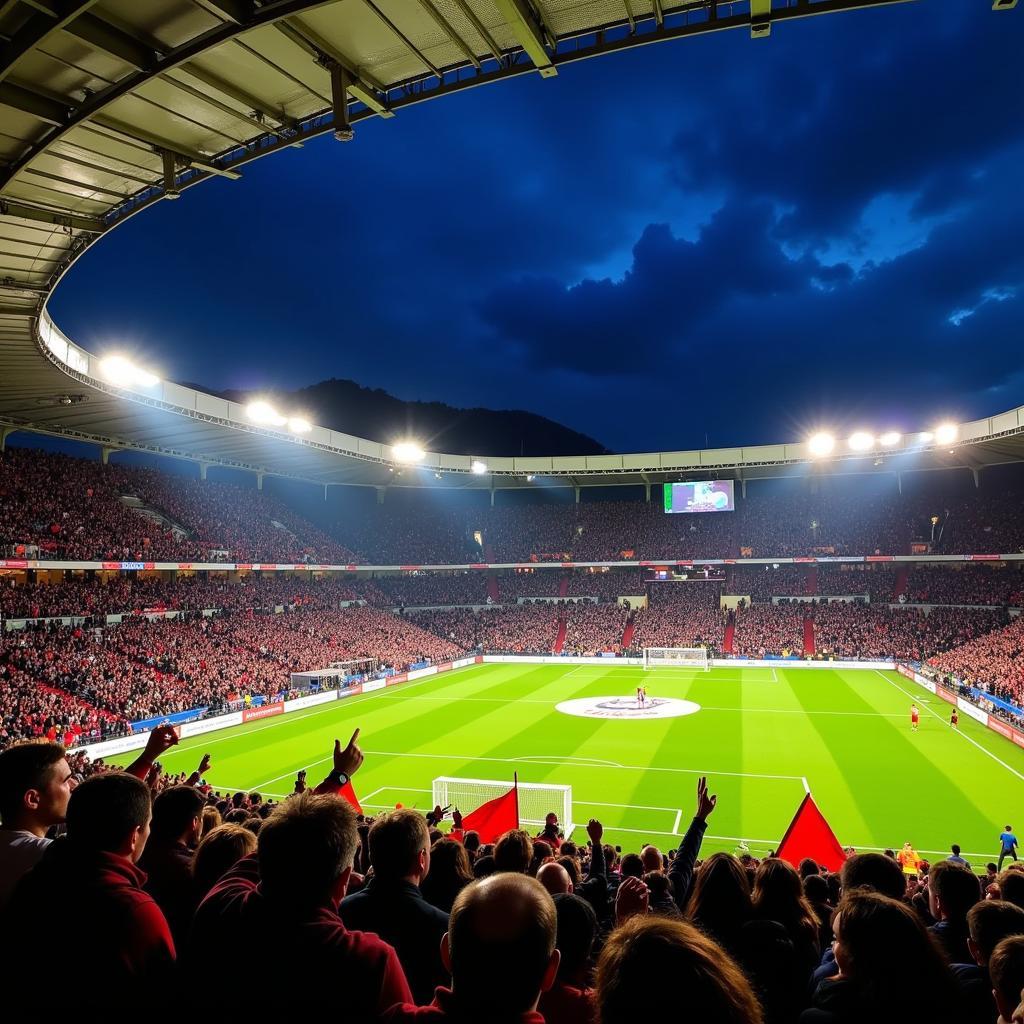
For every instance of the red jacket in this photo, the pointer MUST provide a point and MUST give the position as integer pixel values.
(236, 928)
(567, 1004)
(445, 1008)
(116, 936)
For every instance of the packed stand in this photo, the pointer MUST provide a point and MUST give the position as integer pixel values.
(993, 662)
(429, 589)
(594, 628)
(978, 585)
(681, 615)
(766, 629)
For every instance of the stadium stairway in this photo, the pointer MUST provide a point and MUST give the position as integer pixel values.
(808, 636)
(811, 581)
(902, 580)
(492, 587)
(627, 634)
(560, 639)
(563, 586)
(730, 633)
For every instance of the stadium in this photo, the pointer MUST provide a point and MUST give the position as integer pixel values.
(736, 731)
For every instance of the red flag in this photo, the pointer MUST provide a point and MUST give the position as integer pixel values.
(348, 794)
(494, 818)
(810, 835)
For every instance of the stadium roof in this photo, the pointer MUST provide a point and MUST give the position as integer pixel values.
(108, 106)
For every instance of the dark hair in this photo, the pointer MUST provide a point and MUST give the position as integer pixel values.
(23, 767)
(652, 966)
(500, 936)
(779, 896)
(816, 889)
(956, 850)
(483, 866)
(992, 921)
(958, 888)
(105, 809)
(219, 851)
(513, 852)
(450, 873)
(1011, 886)
(874, 871)
(631, 866)
(395, 840)
(175, 809)
(577, 929)
(304, 847)
(808, 867)
(720, 903)
(572, 866)
(1006, 968)
(882, 943)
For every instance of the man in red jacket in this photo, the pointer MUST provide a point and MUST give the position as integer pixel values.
(500, 950)
(281, 907)
(89, 883)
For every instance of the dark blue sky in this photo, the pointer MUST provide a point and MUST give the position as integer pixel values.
(718, 237)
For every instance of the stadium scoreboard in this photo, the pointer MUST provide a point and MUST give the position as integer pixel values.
(700, 496)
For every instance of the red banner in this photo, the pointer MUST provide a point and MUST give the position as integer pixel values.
(950, 698)
(263, 711)
(14, 563)
(1000, 727)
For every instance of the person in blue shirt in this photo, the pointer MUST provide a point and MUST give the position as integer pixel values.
(955, 857)
(1008, 846)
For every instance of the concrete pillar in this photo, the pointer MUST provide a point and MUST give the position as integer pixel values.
(899, 482)
(647, 493)
(381, 491)
(743, 488)
(325, 492)
(4, 434)
(203, 467)
(977, 477)
(105, 454)
(259, 481)
(576, 489)
(492, 494)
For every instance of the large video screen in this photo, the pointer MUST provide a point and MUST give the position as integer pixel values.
(700, 496)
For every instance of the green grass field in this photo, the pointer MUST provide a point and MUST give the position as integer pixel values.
(760, 733)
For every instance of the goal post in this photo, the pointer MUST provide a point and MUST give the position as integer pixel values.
(536, 800)
(677, 657)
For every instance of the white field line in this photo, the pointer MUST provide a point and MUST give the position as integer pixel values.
(916, 697)
(807, 785)
(637, 807)
(675, 824)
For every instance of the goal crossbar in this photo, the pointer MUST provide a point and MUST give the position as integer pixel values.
(677, 657)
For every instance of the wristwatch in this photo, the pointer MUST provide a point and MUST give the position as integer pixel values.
(337, 778)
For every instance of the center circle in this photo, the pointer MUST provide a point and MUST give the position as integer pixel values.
(627, 707)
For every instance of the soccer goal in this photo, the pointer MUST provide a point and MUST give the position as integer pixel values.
(536, 800)
(677, 657)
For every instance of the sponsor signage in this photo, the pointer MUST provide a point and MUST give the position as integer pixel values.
(210, 724)
(969, 709)
(263, 711)
(350, 691)
(946, 695)
(375, 684)
(105, 748)
(1000, 727)
(311, 701)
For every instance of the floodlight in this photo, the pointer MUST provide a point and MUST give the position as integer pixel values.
(946, 433)
(408, 452)
(124, 373)
(821, 444)
(478, 467)
(925, 436)
(861, 441)
(890, 439)
(299, 425)
(530, 478)
(265, 414)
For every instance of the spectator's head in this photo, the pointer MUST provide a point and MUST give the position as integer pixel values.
(484, 866)
(1011, 887)
(779, 894)
(554, 878)
(306, 848)
(874, 871)
(659, 890)
(990, 922)
(500, 945)
(577, 929)
(879, 944)
(211, 819)
(110, 813)
(572, 866)
(816, 889)
(720, 902)
(1006, 968)
(541, 854)
(632, 866)
(400, 846)
(219, 851)
(654, 969)
(35, 786)
(808, 867)
(952, 891)
(513, 852)
(471, 840)
(178, 815)
(651, 858)
(956, 850)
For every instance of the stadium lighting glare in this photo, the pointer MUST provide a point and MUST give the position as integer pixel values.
(861, 441)
(265, 414)
(925, 436)
(821, 444)
(946, 433)
(478, 467)
(530, 478)
(299, 425)
(890, 439)
(124, 373)
(408, 452)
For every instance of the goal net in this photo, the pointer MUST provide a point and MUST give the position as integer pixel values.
(536, 800)
(677, 657)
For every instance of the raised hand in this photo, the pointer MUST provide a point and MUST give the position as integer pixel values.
(348, 759)
(706, 802)
(595, 830)
(204, 765)
(162, 738)
(457, 818)
(631, 899)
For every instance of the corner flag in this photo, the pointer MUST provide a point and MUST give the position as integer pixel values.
(496, 817)
(810, 835)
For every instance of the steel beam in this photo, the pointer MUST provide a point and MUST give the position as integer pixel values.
(32, 103)
(9, 208)
(481, 31)
(405, 39)
(114, 41)
(234, 92)
(239, 12)
(522, 22)
(38, 28)
(445, 26)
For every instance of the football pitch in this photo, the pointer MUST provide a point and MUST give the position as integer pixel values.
(763, 736)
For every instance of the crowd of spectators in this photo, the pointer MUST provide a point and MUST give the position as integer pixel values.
(769, 629)
(53, 506)
(594, 628)
(410, 590)
(681, 615)
(993, 662)
(396, 919)
(970, 584)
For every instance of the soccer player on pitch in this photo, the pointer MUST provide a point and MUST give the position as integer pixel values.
(954, 719)
(915, 717)
(641, 696)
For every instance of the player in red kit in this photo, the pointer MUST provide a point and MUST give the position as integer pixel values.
(915, 717)
(954, 719)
